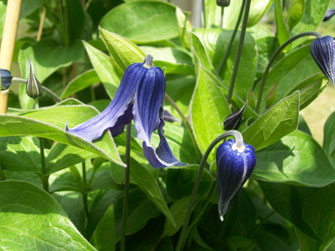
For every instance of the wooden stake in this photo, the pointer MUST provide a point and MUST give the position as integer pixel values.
(8, 44)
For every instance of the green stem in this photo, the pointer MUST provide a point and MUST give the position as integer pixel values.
(225, 57)
(44, 176)
(221, 18)
(185, 121)
(204, 13)
(275, 54)
(126, 189)
(239, 141)
(239, 51)
(2, 174)
(85, 194)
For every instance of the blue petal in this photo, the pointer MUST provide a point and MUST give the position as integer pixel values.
(329, 14)
(323, 52)
(148, 116)
(115, 116)
(233, 170)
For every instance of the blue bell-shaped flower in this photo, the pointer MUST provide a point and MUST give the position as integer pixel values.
(323, 52)
(6, 79)
(234, 162)
(140, 96)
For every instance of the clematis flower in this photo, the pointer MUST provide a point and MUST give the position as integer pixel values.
(235, 162)
(323, 52)
(140, 96)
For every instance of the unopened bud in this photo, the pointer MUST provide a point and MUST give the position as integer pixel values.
(223, 3)
(6, 79)
(34, 88)
(233, 121)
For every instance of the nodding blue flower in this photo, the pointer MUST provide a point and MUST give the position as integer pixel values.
(329, 14)
(234, 162)
(6, 79)
(323, 52)
(140, 96)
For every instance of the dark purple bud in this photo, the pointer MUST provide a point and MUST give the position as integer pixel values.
(233, 121)
(323, 52)
(223, 3)
(169, 117)
(329, 14)
(235, 162)
(6, 79)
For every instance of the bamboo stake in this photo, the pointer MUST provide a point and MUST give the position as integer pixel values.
(40, 28)
(8, 44)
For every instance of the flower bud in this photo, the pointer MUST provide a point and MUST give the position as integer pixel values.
(233, 121)
(33, 88)
(323, 52)
(223, 3)
(6, 79)
(329, 14)
(234, 166)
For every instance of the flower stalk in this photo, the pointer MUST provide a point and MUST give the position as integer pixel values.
(44, 175)
(275, 54)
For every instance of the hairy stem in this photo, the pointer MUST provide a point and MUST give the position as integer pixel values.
(85, 191)
(126, 189)
(44, 176)
(275, 54)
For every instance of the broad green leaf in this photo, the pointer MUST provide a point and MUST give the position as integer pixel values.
(40, 123)
(213, 14)
(282, 30)
(103, 68)
(47, 57)
(278, 121)
(310, 89)
(74, 21)
(294, 68)
(295, 13)
(258, 9)
(33, 220)
(143, 175)
(311, 210)
(20, 154)
(84, 80)
(122, 51)
(66, 180)
(231, 14)
(216, 41)
(178, 210)
(142, 21)
(184, 26)
(29, 6)
(103, 237)
(314, 12)
(296, 158)
(172, 59)
(208, 107)
(329, 137)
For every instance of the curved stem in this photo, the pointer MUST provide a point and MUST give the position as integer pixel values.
(225, 57)
(239, 142)
(275, 54)
(221, 18)
(85, 195)
(185, 121)
(126, 189)
(239, 51)
(44, 176)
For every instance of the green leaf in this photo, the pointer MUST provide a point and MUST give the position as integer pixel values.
(122, 51)
(296, 158)
(103, 68)
(216, 42)
(208, 107)
(142, 21)
(82, 81)
(311, 210)
(103, 237)
(40, 123)
(43, 224)
(172, 59)
(29, 6)
(314, 12)
(282, 30)
(277, 122)
(295, 13)
(213, 14)
(47, 57)
(291, 70)
(20, 154)
(184, 26)
(258, 9)
(329, 137)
